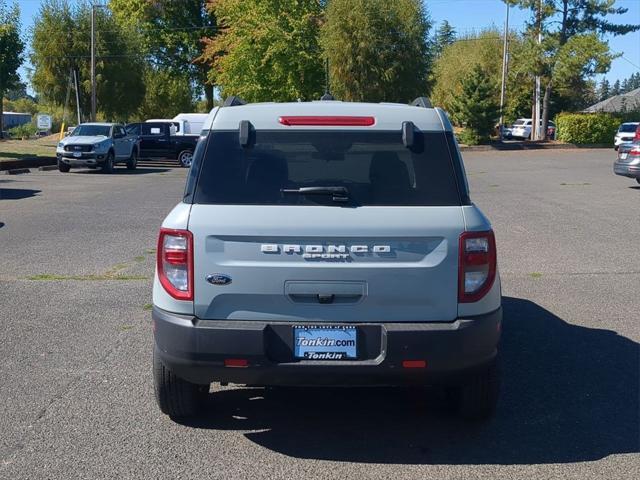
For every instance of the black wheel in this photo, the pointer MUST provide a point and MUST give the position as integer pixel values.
(132, 163)
(185, 158)
(476, 398)
(107, 166)
(616, 148)
(64, 168)
(176, 397)
(638, 180)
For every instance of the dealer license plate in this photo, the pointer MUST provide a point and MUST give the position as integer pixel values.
(325, 342)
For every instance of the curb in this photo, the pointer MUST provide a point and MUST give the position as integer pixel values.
(17, 171)
(529, 146)
(48, 168)
(30, 162)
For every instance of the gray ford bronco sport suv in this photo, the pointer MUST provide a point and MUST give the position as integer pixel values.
(326, 243)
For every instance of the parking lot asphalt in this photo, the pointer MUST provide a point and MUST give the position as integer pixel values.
(77, 400)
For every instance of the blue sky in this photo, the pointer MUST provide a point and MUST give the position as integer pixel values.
(472, 15)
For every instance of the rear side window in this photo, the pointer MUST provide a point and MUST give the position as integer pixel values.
(374, 167)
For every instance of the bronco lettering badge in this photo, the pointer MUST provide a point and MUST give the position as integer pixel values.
(219, 279)
(324, 252)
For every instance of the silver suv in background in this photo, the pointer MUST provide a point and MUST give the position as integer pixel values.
(93, 145)
(326, 243)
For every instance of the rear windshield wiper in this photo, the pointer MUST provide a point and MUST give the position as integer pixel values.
(338, 194)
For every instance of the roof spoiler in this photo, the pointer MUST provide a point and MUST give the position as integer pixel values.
(233, 101)
(422, 102)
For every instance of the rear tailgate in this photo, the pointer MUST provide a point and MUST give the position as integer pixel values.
(367, 264)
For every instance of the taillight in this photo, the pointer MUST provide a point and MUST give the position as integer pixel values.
(635, 151)
(175, 262)
(327, 121)
(477, 265)
(636, 137)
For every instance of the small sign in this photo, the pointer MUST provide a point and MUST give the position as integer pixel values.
(44, 122)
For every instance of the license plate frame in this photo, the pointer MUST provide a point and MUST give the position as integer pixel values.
(623, 156)
(325, 342)
(77, 154)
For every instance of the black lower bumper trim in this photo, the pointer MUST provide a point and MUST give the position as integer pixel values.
(196, 350)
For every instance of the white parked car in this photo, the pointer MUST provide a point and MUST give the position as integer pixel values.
(625, 134)
(522, 128)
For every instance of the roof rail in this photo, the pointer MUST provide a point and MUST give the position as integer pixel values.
(233, 101)
(327, 97)
(422, 102)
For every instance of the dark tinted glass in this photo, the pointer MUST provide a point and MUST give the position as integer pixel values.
(375, 167)
(627, 128)
(91, 131)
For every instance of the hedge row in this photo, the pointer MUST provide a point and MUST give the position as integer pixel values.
(589, 128)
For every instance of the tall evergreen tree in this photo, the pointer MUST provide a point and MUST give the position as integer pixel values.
(604, 90)
(445, 35)
(616, 89)
(476, 107)
(377, 49)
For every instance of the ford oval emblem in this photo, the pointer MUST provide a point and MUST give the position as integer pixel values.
(219, 279)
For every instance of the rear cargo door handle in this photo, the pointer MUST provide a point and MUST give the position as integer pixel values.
(325, 292)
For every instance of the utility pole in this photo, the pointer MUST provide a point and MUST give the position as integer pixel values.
(535, 130)
(93, 63)
(76, 84)
(505, 62)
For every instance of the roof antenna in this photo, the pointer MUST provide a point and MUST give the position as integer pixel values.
(327, 95)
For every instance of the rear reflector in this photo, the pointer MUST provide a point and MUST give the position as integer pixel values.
(328, 121)
(236, 362)
(414, 364)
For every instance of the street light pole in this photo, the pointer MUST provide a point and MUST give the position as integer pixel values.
(505, 62)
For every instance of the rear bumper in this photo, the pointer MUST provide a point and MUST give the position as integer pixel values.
(626, 169)
(196, 350)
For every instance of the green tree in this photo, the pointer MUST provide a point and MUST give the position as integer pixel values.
(573, 50)
(61, 43)
(266, 49)
(170, 34)
(476, 107)
(604, 90)
(377, 49)
(616, 89)
(166, 94)
(11, 48)
(445, 35)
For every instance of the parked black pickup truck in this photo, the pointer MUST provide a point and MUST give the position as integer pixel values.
(157, 141)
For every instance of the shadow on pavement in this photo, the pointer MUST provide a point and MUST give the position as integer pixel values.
(570, 394)
(17, 193)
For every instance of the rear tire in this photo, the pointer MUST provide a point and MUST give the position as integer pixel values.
(107, 166)
(132, 163)
(176, 397)
(477, 397)
(185, 158)
(63, 167)
(638, 180)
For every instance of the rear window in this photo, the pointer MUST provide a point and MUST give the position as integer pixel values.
(627, 128)
(373, 168)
